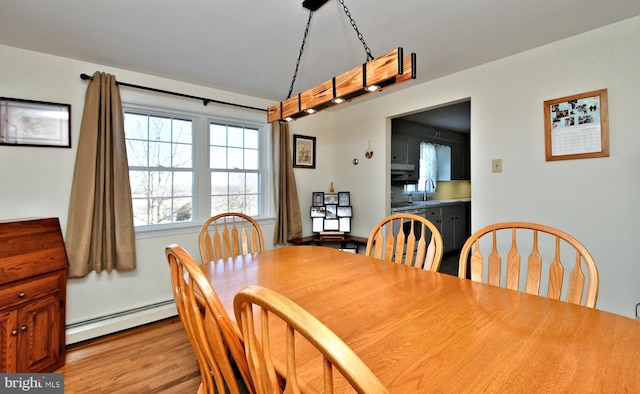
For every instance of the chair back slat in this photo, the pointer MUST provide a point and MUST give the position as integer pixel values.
(576, 282)
(495, 263)
(513, 264)
(228, 235)
(556, 274)
(534, 267)
(408, 239)
(581, 284)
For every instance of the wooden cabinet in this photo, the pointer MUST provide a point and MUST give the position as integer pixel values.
(451, 222)
(33, 278)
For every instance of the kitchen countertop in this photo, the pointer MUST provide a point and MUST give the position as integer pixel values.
(430, 203)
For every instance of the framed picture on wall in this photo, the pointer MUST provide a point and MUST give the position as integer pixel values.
(577, 127)
(34, 123)
(304, 151)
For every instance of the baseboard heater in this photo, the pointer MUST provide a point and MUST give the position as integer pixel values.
(97, 327)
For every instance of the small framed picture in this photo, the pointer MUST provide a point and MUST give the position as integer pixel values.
(331, 211)
(34, 123)
(317, 225)
(318, 212)
(345, 224)
(331, 225)
(344, 199)
(344, 212)
(304, 151)
(330, 198)
(317, 199)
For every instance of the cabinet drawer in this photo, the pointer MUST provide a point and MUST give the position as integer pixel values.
(28, 290)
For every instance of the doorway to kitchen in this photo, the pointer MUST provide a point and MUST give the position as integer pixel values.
(430, 159)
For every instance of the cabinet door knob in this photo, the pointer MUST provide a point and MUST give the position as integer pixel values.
(23, 328)
(21, 294)
(14, 333)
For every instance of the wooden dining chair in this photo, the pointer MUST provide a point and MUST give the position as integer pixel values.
(214, 337)
(228, 235)
(546, 246)
(336, 355)
(407, 239)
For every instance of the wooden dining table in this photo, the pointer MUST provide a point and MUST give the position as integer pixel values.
(422, 331)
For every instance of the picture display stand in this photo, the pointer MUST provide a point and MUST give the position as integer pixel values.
(331, 214)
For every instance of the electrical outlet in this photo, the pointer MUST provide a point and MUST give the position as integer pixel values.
(496, 165)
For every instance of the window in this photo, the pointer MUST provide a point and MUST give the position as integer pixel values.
(234, 157)
(435, 165)
(160, 156)
(184, 168)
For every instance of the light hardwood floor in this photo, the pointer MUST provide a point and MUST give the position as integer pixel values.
(156, 358)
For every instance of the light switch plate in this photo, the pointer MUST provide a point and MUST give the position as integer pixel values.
(496, 165)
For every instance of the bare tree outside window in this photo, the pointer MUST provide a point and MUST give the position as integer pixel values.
(160, 155)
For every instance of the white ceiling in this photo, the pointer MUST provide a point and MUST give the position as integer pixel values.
(251, 46)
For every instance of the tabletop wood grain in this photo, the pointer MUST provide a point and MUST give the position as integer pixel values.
(422, 331)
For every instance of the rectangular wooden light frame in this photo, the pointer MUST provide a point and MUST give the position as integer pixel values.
(387, 70)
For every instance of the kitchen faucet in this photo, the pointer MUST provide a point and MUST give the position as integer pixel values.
(433, 185)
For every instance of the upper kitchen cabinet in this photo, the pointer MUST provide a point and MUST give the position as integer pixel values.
(405, 158)
(461, 160)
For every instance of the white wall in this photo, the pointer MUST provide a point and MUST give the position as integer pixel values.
(592, 199)
(36, 181)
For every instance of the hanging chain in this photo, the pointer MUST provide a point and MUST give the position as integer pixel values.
(304, 39)
(360, 36)
(306, 33)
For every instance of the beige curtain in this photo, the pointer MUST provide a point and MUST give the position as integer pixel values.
(288, 220)
(100, 232)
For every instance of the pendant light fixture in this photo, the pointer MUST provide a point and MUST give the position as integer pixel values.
(375, 74)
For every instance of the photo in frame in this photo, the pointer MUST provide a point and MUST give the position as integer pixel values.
(344, 212)
(304, 151)
(331, 225)
(331, 211)
(577, 127)
(317, 199)
(318, 212)
(344, 199)
(345, 225)
(317, 225)
(34, 123)
(330, 198)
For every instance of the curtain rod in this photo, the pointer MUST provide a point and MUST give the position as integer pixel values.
(204, 100)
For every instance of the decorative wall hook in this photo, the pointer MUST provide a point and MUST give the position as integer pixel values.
(369, 153)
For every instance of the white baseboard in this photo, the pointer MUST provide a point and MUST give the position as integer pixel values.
(94, 328)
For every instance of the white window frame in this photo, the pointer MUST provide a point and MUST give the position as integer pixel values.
(201, 171)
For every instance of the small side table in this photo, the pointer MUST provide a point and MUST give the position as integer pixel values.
(345, 241)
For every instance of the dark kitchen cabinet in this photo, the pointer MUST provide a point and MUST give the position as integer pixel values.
(405, 149)
(451, 222)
